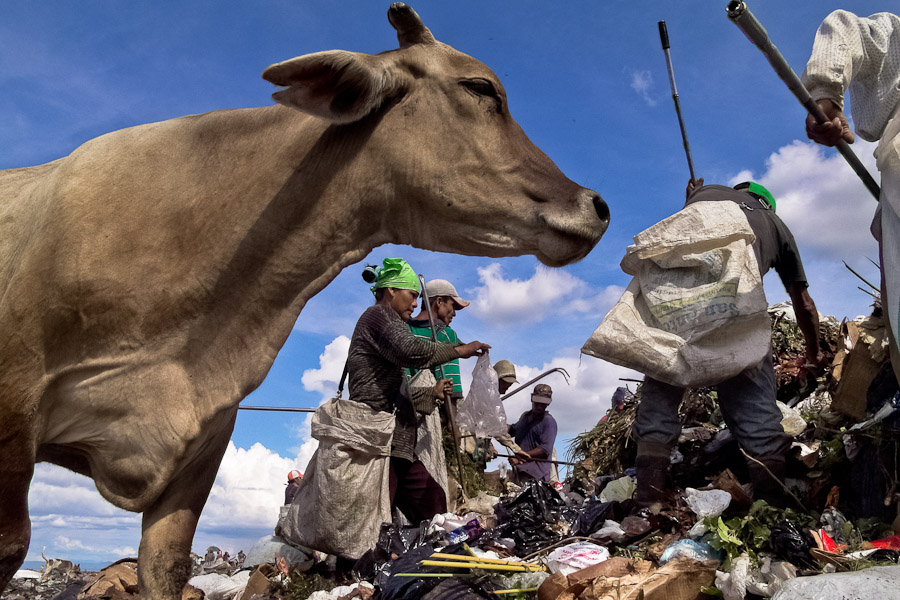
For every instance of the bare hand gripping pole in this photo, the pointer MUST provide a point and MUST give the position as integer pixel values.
(664, 39)
(741, 16)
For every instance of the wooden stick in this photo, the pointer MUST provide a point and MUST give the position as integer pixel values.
(773, 476)
(485, 566)
(494, 561)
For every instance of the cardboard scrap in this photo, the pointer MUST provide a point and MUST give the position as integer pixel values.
(120, 576)
(855, 366)
(622, 579)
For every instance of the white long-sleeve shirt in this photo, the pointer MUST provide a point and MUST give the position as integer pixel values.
(860, 55)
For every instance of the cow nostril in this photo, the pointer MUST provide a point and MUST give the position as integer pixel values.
(601, 207)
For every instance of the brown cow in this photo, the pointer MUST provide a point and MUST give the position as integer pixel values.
(148, 280)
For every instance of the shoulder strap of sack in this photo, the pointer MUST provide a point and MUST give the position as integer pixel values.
(340, 389)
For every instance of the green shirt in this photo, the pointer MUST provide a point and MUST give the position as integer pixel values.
(449, 370)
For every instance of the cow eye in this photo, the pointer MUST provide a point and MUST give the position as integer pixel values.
(483, 88)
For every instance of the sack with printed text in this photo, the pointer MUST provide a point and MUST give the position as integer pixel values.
(695, 312)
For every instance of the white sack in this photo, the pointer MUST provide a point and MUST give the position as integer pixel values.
(695, 312)
(344, 497)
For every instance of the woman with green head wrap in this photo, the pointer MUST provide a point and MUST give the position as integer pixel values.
(381, 347)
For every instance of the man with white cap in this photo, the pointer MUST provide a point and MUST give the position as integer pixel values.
(295, 477)
(535, 433)
(444, 302)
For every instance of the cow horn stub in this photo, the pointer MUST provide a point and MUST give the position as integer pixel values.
(410, 28)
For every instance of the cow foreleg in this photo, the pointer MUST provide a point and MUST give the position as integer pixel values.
(164, 563)
(15, 526)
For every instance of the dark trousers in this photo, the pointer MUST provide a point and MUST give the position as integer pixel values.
(415, 492)
(748, 406)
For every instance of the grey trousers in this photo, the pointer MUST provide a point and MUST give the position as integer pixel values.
(748, 406)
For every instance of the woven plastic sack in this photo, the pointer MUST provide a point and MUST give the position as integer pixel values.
(482, 413)
(329, 512)
(695, 312)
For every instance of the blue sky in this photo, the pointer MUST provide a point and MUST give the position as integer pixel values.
(587, 82)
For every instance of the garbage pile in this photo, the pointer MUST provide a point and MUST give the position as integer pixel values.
(587, 540)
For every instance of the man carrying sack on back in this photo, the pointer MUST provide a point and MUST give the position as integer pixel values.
(718, 355)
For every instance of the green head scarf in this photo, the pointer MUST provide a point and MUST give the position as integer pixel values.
(396, 273)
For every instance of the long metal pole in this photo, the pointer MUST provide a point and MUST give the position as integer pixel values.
(278, 409)
(741, 16)
(565, 375)
(451, 414)
(664, 39)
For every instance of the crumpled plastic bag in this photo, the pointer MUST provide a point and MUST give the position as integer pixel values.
(267, 547)
(687, 548)
(619, 490)
(734, 583)
(610, 532)
(770, 577)
(707, 503)
(576, 556)
(877, 582)
(221, 587)
(535, 519)
(482, 412)
(791, 420)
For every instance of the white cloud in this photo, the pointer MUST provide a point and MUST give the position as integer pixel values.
(579, 405)
(548, 292)
(820, 197)
(331, 365)
(829, 212)
(642, 83)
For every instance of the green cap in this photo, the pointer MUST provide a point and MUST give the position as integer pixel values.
(759, 191)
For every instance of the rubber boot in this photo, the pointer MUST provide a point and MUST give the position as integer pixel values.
(768, 480)
(652, 466)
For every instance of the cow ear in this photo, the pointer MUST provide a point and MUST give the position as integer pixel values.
(337, 85)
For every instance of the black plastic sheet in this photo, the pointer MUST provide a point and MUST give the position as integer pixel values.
(793, 545)
(536, 518)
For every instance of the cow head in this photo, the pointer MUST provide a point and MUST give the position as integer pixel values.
(458, 172)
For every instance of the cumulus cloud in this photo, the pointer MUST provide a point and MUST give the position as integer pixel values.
(642, 83)
(820, 197)
(548, 291)
(331, 364)
(579, 405)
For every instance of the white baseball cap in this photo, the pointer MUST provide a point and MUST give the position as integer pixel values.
(442, 287)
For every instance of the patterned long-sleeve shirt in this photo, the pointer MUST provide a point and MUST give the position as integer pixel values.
(379, 349)
(860, 55)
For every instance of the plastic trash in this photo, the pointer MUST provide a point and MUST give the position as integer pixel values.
(342, 591)
(534, 519)
(707, 503)
(688, 549)
(792, 545)
(467, 532)
(265, 549)
(619, 490)
(833, 522)
(791, 420)
(770, 577)
(576, 556)
(877, 582)
(592, 517)
(221, 587)
(610, 532)
(733, 584)
(482, 412)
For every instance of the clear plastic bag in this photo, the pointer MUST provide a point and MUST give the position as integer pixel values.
(482, 413)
